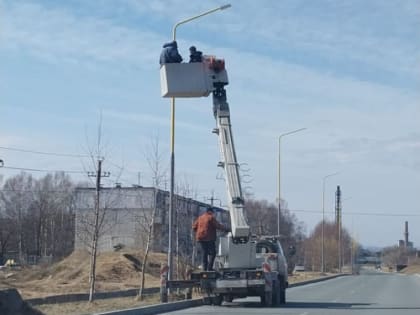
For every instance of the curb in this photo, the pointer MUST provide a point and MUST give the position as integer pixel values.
(176, 306)
(157, 308)
(297, 284)
(78, 297)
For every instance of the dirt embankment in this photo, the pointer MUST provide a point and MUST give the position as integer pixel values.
(115, 271)
(412, 269)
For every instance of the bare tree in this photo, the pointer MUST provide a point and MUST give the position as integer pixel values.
(17, 201)
(313, 245)
(91, 223)
(262, 218)
(6, 232)
(185, 212)
(394, 255)
(154, 160)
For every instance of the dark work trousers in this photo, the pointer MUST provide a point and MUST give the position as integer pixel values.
(209, 254)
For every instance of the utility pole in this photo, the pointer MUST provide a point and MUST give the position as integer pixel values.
(323, 220)
(338, 224)
(95, 236)
(212, 199)
(1, 164)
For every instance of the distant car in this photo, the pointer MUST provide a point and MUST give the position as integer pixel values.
(299, 268)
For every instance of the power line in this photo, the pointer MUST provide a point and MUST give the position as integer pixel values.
(46, 153)
(364, 213)
(41, 170)
(121, 192)
(37, 190)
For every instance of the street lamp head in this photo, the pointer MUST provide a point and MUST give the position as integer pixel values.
(226, 6)
(291, 132)
(223, 7)
(333, 174)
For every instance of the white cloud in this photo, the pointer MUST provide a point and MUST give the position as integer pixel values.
(330, 32)
(357, 124)
(57, 35)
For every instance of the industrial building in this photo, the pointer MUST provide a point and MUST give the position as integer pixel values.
(126, 214)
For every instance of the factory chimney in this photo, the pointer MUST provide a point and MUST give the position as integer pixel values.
(406, 234)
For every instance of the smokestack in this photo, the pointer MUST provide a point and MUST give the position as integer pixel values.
(406, 234)
(337, 205)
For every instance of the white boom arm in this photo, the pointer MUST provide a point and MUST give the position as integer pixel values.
(240, 228)
(201, 79)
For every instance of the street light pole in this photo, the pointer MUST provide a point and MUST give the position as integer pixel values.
(172, 171)
(279, 179)
(323, 219)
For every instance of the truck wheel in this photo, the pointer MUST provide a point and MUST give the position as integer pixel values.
(282, 292)
(228, 298)
(276, 293)
(267, 298)
(217, 299)
(206, 300)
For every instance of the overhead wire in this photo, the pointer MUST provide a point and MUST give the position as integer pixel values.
(361, 213)
(46, 153)
(41, 170)
(133, 194)
(120, 168)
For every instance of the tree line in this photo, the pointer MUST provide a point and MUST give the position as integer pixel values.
(262, 217)
(36, 217)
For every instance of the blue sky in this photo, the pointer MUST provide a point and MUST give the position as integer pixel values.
(346, 71)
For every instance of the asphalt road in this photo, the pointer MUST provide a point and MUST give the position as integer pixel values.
(369, 293)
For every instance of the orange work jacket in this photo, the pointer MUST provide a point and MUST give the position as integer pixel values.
(205, 227)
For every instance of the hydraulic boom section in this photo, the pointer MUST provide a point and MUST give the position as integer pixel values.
(244, 265)
(200, 79)
(240, 228)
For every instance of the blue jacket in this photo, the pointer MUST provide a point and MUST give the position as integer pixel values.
(170, 53)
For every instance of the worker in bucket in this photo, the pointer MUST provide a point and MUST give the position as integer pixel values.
(205, 227)
(195, 55)
(170, 53)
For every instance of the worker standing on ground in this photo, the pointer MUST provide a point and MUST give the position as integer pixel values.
(205, 227)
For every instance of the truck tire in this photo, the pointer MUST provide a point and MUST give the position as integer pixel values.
(228, 298)
(282, 292)
(276, 293)
(217, 299)
(267, 299)
(207, 300)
